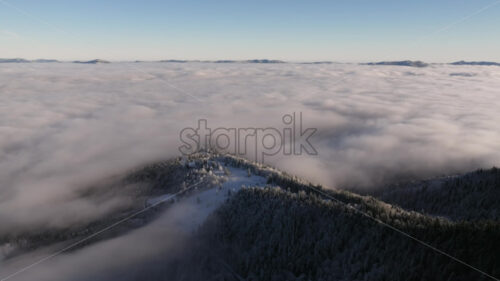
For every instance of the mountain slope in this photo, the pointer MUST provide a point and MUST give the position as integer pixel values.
(274, 234)
(240, 220)
(295, 231)
(473, 196)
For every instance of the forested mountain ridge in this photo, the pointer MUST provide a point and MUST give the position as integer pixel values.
(284, 228)
(273, 234)
(295, 231)
(472, 196)
(134, 187)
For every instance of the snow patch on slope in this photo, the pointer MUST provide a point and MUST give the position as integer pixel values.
(191, 211)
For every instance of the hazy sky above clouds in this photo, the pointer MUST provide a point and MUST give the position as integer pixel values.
(291, 30)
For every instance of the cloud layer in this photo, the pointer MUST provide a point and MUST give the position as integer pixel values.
(65, 126)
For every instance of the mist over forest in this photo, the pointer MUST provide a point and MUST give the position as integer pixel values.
(67, 129)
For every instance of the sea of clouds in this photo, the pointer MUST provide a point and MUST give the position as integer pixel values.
(64, 127)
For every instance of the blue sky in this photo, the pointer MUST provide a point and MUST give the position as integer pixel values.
(351, 30)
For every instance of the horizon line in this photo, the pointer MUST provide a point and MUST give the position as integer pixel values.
(254, 60)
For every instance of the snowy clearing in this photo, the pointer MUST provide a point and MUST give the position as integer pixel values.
(189, 212)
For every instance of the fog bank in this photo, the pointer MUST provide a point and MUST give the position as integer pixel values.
(64, 126)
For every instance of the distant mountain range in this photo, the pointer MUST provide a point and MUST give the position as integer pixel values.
(16, 60)
(400, 63)
(44, 60)
(408, 63)
(318, 62)
(96, 61)
(20, 60)
(487, 63)
(264, 61)
(178, 61)
(229, 61)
